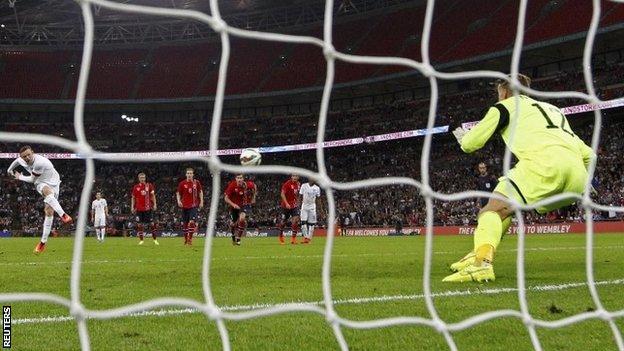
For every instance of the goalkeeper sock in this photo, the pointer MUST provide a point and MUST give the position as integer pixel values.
(47, 228)
(53, 202)
(487, 237)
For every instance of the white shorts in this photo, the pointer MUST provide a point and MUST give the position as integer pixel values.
(99, 221)
(308, 215)
(56, 188)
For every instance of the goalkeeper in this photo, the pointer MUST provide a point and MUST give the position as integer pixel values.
(551, 160)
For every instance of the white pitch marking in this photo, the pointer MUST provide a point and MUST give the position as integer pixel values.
(355, 300)
(43, 263)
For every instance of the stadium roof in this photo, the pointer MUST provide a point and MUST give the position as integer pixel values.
(59, 22)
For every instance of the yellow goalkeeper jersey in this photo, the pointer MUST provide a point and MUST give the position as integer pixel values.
(539, 126)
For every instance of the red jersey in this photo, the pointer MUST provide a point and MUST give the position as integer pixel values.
(249, 192)
(142, 194)
(189, 191)
(291, 191)
(236, 193)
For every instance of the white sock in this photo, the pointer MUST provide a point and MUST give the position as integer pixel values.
(97, 233)
(304, 230)
(53, 202)
(47, 228)
(310, 231)
(102, 233)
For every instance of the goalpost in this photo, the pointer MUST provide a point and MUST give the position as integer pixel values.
(209, 307)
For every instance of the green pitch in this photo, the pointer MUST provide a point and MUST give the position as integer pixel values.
(385, 272)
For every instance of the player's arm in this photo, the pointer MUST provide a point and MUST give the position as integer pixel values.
(230, 202)
(178, 197)
(201, 198)
(300, 195)
(105, 208)
(497, 118)
(319, 204)
(132, 209)
(586, 152)
(226, 196)
(153, 197)
(14, 164)
(17, 175)
(283, 196)
(92, 212)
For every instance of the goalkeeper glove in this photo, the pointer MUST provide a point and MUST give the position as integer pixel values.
(459, 133)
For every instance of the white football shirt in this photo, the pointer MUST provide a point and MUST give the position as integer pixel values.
(98, 206)
(309, 193)
(41, 168)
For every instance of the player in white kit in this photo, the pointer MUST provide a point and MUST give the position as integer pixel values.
(309, 193)
(99, 212)
(47, 182)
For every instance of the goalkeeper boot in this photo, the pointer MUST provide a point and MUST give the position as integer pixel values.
(472, 273)
(39, 248)
(464, 262)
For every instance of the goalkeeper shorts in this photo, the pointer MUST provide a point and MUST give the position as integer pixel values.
(531, 181)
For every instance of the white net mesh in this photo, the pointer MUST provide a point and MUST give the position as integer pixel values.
(209, 307)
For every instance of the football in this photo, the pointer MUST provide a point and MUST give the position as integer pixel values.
(250, 157)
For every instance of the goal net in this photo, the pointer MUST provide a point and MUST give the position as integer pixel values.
(337, 323)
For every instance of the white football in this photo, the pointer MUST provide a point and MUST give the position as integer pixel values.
(250, 157)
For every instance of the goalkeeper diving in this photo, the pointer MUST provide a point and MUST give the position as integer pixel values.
(551, 160)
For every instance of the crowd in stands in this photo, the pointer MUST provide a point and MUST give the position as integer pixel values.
(182, 70)
(450, 170)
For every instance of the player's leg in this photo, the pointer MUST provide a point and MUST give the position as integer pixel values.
(234, 213)
(96, 229)
(285, 217)
(192, 224)
(50, 198)
(185, 223)
(493, 221)
(47, 228)
(140, 226)
(304, 225)
(102, 228)
(294, 226)
(241, 225)
(153, 227)
(185, 231)
(311, 225)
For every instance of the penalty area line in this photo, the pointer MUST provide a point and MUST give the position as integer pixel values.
(281, 257)
(355, 300)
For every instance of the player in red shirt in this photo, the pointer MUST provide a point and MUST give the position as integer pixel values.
(250, 196)
(289, 203)
(190, 196)
(142, 203)
(235, 198)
